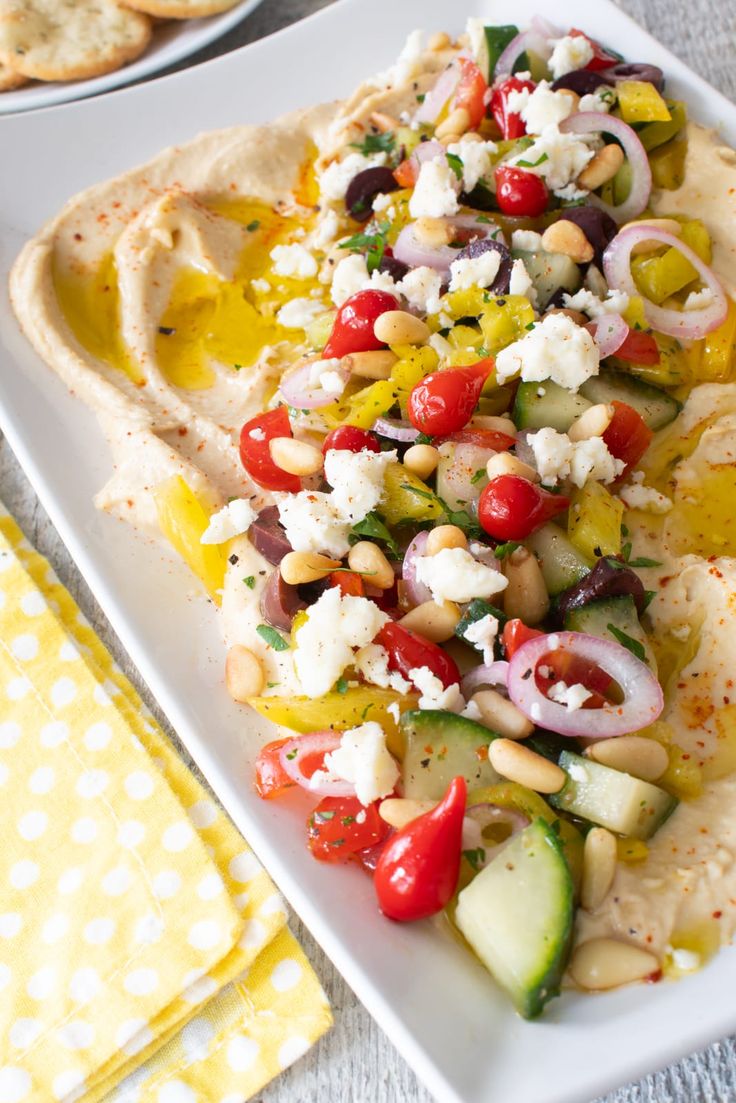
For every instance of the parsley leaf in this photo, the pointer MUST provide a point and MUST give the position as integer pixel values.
(475, 857)
(455, 164)
(273, 638)
(632, 645)
(373, 526)
(533, 164)
(374, 245)
(250, 581)
(376, 143)
(649, 596)
(423, 438)
(459, 517)
(253, 225)
(642, 561)
(478, 475)
(341, 685)
(504, 550)
(626, 551)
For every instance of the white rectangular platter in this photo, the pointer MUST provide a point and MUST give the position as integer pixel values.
(434, 1002)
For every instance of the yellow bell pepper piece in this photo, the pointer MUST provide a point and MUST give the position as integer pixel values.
(361, 407)
(657, 133)
(502, 325)
(183, 518)
(465, 337)
(718, 361)
(631, 850)
(406, 497)
(640, 102)
(683, 777)
(667, 163)
(660, 276)
(634, 315)
(594, 521)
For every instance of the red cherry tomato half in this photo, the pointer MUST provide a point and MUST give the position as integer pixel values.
(638, 348)
(406, 173)
(471, 92)
(515, 634)
(407, 651)
(255, 455)
(444, 401)
(349, 438)
(340, 827)
(418, 870)
(348, 583)
(352, 330)
(509, 123)
(271, 779)
(601, 58)
(573, 670)
(510, 507)
(628, 436)
(520, 192)
(484, 438)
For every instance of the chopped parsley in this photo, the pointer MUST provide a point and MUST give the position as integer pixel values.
(273, 638)
(374, 527)
(504, 550)
(341, 685)
(455, 164)
(250, 581)
(372, 244)
(423, 438)
(376, 143)
(252, 226)
(642, 561)
(478, 475)
(634, 646)
(475, 857)
(459, 517)
(533, 164)
(649, 596)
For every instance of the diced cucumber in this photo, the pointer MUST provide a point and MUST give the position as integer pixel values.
(475, 611)
(549, 272)
(439, 746)
(492, 44)
(622, 803)
(594, 619)
(656, 407)
(561, 562)
(517, 915)
(541, 404)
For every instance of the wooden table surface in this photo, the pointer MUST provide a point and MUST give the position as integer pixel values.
(356, 1061)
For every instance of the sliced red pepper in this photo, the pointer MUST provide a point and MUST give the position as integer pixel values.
(255, 454)
(470, 93)
(515, 633)
(509, 123)
(406, 173)
(602, 58)
(484, 438)
(628, 436)
(408, 651)
(444, 401)
(271, 779)
(511, 507)
(639, 347)
(352, 330)
(340, 827)
(348, 583)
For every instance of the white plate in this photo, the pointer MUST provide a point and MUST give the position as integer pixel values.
(439, 1007)
(171, 42)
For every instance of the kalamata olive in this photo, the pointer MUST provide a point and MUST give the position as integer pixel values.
(268, 537)
(582, 81)
(280, 602)
(598, 227)
(605, 580)
(394, 268)
(364, 188)
(483, 245)
(634, 70)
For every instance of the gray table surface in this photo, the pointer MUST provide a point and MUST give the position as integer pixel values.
(356, 1060)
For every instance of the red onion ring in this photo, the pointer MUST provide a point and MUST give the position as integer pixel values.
(293, 753)
(416, 254)
(439, 94)
(416, 592)
(298, 392)
(688, 324)
(395, 429)
(595, 122)
(609, 332)
(528, 40)
(494, 674)
(643, 699)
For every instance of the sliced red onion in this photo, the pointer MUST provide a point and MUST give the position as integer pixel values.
(609, 331)
(439, 94)
(524, 451)
(544, 28)
(416, 592)
(492, 674)
(293, 753)
(416, 254)
(528, 40)
(395, 429)
(643, 700)
(298, 392)
(688, 324)
(596, 122)
(489, 815)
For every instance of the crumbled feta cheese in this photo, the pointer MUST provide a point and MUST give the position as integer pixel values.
(382, 201)
(232, 520)
(528, 240)
(476, 159)
(574, 51)
(257, 433)
(472, 712)
(356, 479)
(645, 498)
(363, 759)
(681, 632)
(555, 349)
(543, 107)
(380, 281)
(476, 32)
(454, 575)
(552, 454)
(434, 694)
(293, 260)
(556, 457)
(394, 709)
(520, 282)
(299, 313)
(602, 100)
(372, 662)
(441, 345)
(334, 181)
(327, 229)
(312, 523)
(334, 627)
(349, 277)
(435, 192)
(572, 697)
(615, 302)
(421, 288)
(478, 271)
(591, 460)
(482, 634)
(570, 192)
(696, 300)
(263, 286)
(687, 961)
(559, 158)
(327, 375)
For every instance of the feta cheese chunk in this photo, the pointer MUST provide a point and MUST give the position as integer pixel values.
(434, 694)
(571, 52)
(614, 303)
(556, 457)
(482, 634)
(334, 181)
(558, 158)
(572, 697)
(528, 240)
(327, 229)
(592, 461)
(356, 479)
(372, 663)
(541, 108)
(555, 349)
(435, 192)
(476, 159)
(454, 575)
(478, 271)
(363, 759)
(326, 374)
(349, 277)
(299, 313)
(698, 300)
(520, 282)
(293, 260)
(602, 100)
(645, 498)
(421, 288)
(312, 523)
(335, 626)
(232, 520)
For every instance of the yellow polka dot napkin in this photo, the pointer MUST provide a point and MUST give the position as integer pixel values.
(144, 952)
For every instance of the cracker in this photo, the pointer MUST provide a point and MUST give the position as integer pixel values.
(70, 39)
(9, 79)
(180, 9)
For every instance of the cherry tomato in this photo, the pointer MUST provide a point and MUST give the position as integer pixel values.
(628, 436)
(510, 507)
(348, 438)
(408, 650)
(573, 670)
(339, 827)
(471, 92)
(639, 347)
(255, 455)
(515, 633)
(406, 173)
(418, 870)
(484, 438)
(348, 583)
(271, 779)
(601, 58)
(444, 401)
(520, 192)
(352, 330)
(509, 123)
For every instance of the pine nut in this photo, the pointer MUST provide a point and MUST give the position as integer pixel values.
(421, 460)
(299, 567)
(567, 238)
(526, 595)
(399, 811)
(599, 867)
(473, 136)
(449, 139)
(397, 327)
(576, 316)
(457, 122)
(244, 675)
(434, 621)
(384, 122)
(502, 715)
(375, 364)
(439, 41)
(445, 536)
(572, 96)
(503, 463)
(632, 754)
(517, 763)
(493, 423)
(667, 225)
(602, 168)
(605, 963)
(295, 456)
(434, 232)
(593, 422)
(368, 559)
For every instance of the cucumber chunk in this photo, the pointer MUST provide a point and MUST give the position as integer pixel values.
(517, 915)
(656, 407)
(549, 272)
(492, 45)
(439, 746)
(540, 404)
(622, 803)
(561, 563)
(594, 619)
